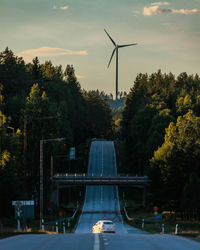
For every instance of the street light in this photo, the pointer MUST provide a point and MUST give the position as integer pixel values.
(42, 141)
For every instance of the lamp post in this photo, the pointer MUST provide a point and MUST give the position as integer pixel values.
(42, 141)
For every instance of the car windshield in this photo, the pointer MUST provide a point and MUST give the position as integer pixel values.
(108, 222)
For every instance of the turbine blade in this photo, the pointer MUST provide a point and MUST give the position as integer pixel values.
(126, 45)
(110, 38)
(111, 57)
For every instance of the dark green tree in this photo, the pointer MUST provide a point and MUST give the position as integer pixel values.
(99, 117)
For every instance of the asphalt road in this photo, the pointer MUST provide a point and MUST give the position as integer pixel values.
(101, 202)
(48, 242)
(97, 242)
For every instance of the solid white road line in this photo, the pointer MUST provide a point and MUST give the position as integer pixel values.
(96, 242)
(101, 194)
(102, 159)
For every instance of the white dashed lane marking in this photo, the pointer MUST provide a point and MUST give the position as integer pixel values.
(96, 242)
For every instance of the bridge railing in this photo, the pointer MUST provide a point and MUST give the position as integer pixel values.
(85, 180)
(101, 175)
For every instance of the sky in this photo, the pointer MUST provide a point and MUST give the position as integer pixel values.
(167, 34)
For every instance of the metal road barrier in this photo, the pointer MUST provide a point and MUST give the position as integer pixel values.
(139, 219)
(61, 221)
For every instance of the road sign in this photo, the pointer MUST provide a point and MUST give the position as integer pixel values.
(24, 208)
(23, 203)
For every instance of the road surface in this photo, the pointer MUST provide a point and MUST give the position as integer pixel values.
(100, 203)
(97, 242)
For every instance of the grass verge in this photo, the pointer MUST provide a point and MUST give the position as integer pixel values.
(189, 229)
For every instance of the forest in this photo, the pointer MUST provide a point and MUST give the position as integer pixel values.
(41, 101)
(159, 126)
(161, 132)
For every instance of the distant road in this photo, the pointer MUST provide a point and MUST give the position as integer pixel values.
(101, 202)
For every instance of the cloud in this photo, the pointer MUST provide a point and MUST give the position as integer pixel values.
(80, 77)
(61, 7)
(64, 7)
(186, 12)
(49, 51)
(149, 11)
(154, 10)
(160, 3)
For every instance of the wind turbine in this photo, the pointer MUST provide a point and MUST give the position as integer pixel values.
(116, 49)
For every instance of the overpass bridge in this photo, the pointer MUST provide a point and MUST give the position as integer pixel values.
(85, 180)
(64, 180)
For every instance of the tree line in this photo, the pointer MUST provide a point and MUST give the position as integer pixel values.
(41, 101)
(161, 129)
(160, 124)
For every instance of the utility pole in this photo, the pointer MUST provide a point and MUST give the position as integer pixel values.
(25, 143)
(51, 173)
(42, 141)
(41, 180)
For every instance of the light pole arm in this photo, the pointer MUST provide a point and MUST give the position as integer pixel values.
(51, 140)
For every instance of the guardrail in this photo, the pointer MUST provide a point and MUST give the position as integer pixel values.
(139, 219)
(61, 221)
(161, 228)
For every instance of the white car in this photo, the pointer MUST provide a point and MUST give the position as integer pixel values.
(104, 226)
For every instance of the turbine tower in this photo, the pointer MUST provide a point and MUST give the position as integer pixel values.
(116, 49)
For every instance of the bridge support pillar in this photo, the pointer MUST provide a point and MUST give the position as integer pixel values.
(55, 197)
(144, 199)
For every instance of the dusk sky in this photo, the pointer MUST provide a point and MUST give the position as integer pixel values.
(72, 32)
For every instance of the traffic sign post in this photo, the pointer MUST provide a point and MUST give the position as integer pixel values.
(18, 205)
(23, 210)
(18, 221)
